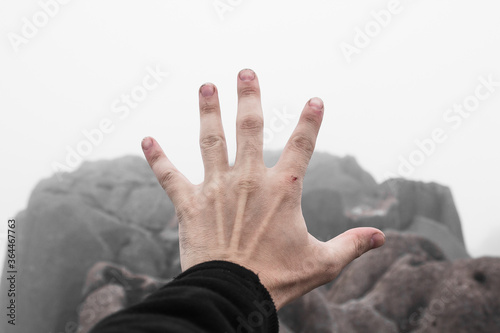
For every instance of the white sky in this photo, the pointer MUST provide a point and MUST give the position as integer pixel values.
(67, 76)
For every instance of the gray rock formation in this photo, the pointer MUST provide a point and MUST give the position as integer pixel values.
(324, 213)
(105, 211)
(340, 174)
(339, 194)
(114, 211)
(109, 288)
(409, 283)
(429, 200)
(436, 232)
(405, 286)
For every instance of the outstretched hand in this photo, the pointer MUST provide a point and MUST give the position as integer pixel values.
(250, 214)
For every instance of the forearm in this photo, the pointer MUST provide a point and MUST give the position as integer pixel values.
(216, 296)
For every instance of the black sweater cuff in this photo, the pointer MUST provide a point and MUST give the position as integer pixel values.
(214, 296)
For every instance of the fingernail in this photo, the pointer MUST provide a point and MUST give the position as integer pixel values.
(247, 75)
(316, 103)
(207, 90)
(146, 143)
(377, 240)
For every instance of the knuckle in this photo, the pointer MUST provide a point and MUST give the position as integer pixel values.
(329, 269)
(208, 108)
(249, 91)
(333, 271)
(155, 158)
(359, 246)
(248, 184)
(212, 189)
(311, 119)
(249, 148)
(186, 212)
(290, 199)
(251, 123)
(212, 141)
(302, 144)
(166, 177)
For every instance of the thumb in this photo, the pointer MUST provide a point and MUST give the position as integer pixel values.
(353, 243)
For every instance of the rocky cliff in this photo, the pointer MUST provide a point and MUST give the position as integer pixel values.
(114, 214)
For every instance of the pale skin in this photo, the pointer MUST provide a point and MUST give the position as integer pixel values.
(249, 214)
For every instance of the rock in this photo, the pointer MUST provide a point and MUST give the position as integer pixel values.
(428, 200)
(467, 299)
(356, 317)
(283, 328)
(439, 234)
(425, 209)
(409, 283)
(101, 303)
(340, 187)
(340, 174)
(418, 291)
(309, 313)
(136, 286)
(90, 215)
(362, 274)
(109, 288)
(324, 213)
(343, 175)
(115, 211)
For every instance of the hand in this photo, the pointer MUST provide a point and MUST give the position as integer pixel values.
(250, 214)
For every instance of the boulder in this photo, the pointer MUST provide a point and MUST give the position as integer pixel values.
(310, 313)
(416, 290)
(324, 213)
(363, 273)
(341, 174)
(428, 200)
(439, 234)
(109, 288)
(410, 284)
(104, 211)
(114, 211)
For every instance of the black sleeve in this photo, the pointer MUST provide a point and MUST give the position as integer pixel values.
(214, 296)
